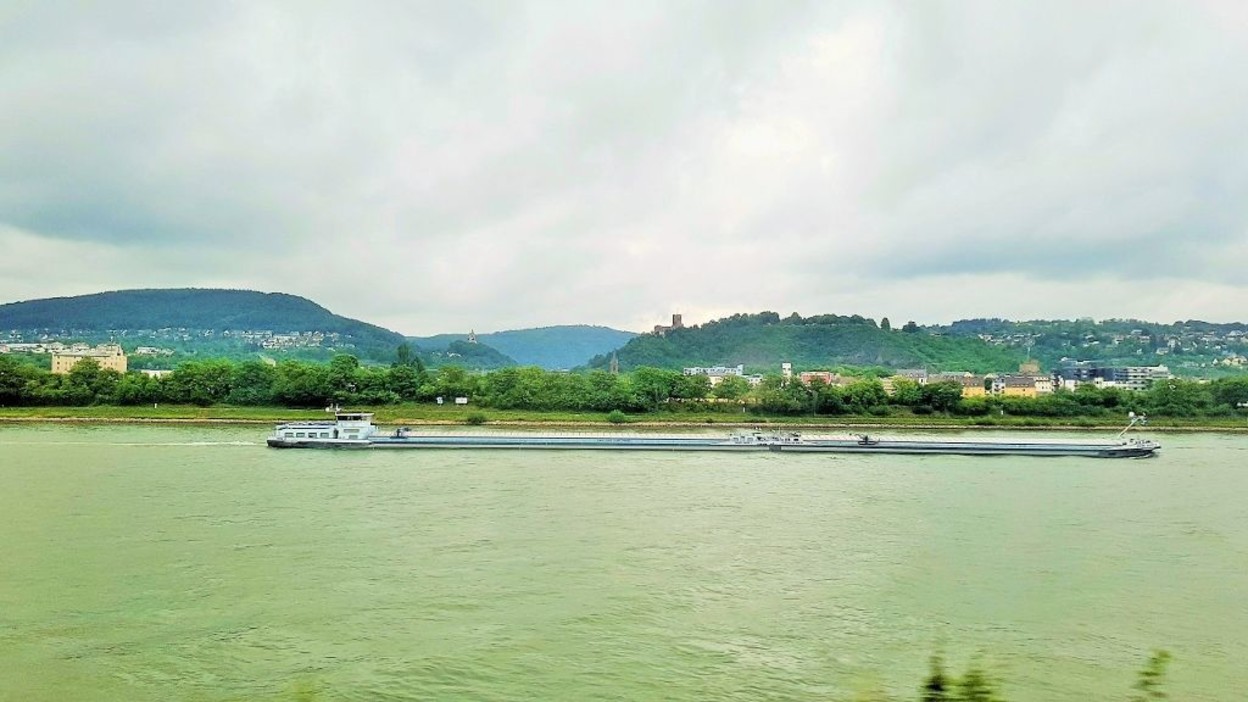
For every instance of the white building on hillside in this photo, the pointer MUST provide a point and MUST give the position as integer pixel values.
(716, 374)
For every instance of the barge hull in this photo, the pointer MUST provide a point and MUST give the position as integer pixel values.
(355, 430)
(1125, 450)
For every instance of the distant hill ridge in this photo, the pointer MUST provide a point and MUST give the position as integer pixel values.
(1191, 347)
(765, 340)
(761, 341)
(555, 347)
(189, 308)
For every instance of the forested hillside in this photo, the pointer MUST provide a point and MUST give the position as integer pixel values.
(187, 308)
(552, 348)
(181, 323)
(763, 341)
(465, 355)
(193, 320)
(1191, 347)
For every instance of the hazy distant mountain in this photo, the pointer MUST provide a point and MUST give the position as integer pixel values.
(557, 347)
(115, 314)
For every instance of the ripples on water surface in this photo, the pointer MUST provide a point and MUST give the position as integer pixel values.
(154, 563)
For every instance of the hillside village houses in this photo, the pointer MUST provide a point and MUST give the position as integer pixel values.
(39, 347)
(16, 341)
(57, 347)
(1028, 382)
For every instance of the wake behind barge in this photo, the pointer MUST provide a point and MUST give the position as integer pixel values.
(355, 430)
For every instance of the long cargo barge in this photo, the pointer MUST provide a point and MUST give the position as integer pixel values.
(355, 430)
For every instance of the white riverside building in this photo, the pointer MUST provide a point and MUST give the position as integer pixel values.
(716, 374)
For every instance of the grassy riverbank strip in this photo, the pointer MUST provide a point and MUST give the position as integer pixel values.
(432, 415)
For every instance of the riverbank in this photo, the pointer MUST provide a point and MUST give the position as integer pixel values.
(423, 415)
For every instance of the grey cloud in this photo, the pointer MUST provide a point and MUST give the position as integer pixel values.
(1117, 143)
(439, 117)
(558, 162)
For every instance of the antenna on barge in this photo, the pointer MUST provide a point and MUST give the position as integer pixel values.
(1140, 418)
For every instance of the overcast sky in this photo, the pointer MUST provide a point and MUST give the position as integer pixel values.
(442, 166)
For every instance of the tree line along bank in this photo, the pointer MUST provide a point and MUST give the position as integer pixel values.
(346, 382)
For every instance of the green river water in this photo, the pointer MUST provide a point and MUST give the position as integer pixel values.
(176, 563)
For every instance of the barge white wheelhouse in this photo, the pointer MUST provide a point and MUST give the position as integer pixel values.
(349, 429)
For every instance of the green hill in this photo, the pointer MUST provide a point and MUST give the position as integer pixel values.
(1189, 347)
(197, 320)
(763, 341)
(461, 353)
(552, 348)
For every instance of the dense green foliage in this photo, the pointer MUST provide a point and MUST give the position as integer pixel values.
(552, 348)
(765, 340)
(975, 685)
(1149, 684)
(978, 685)
(345, 381)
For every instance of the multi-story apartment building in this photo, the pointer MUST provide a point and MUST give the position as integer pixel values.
(1072, 374)
(1021, 385)
(110, 357)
